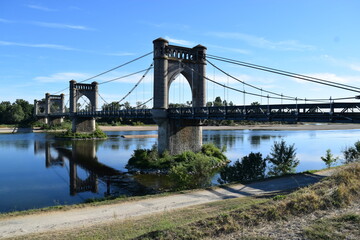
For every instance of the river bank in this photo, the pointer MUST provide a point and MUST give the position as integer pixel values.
(298, 127)
(276, 127)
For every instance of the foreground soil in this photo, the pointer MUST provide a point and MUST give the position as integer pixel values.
(296, 227)
(13, 226)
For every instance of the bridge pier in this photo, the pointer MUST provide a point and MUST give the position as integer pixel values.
(83, 125)
(177, 135)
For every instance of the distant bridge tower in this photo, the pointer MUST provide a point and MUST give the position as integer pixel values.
(51, 109)
(77, 90)
(178, 135)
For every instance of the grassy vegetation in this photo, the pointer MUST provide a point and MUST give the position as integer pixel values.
(150, 159)
(224, 217)
(7, 125)
(97, 134)
(346, 226)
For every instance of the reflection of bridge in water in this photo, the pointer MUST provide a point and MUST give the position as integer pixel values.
(83, 154)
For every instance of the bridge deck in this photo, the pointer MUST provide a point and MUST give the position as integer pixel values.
(322, 112)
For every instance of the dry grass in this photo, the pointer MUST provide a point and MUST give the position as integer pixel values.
(333, 192)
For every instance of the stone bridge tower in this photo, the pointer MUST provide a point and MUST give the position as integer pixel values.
(50, 109)
(178, 135)
(77, 90)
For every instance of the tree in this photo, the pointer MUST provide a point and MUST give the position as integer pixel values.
(218, 102)
(251, 167)
(5, 107)
(352, 154)
(16, 114)
(329, 158)
(283, 159)
(127, 105)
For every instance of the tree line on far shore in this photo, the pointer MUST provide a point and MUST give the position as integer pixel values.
(18, 112)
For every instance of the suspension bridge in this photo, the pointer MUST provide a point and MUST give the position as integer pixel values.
(180, 128)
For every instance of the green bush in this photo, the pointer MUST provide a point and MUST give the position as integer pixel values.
(283, 159)
(352, 154)
(187, 170)
(329, 158)
(251, 167)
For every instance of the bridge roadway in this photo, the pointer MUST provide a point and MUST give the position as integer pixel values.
(321, 112)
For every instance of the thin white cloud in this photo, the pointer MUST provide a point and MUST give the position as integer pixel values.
(61, 25)
(351, 80)
(237, 50)
(341, 62)
(41, 8)
(179, 41)
(260, 42)
(355, 67)
(61, 77)
(44, 45)
(2, 20)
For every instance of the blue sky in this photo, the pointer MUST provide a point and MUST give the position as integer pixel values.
(46, 43)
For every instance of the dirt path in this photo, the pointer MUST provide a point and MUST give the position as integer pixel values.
(88, 216)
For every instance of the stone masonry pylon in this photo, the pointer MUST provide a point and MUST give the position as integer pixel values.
(178, 135)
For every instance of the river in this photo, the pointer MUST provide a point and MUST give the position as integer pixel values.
(38, 171)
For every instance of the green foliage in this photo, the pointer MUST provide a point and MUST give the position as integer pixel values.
(149, 159)
(19, 112)
(251, 167)
(97, 134)
(193, 170)
(352, 154)
(283, 159)
(209, 149)
(329, 158)
(137, 123)
(187, 170)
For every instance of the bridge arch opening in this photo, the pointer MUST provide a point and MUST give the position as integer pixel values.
(83, 104)
(180, 92)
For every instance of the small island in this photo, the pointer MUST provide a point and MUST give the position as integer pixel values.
(97, 134)
(187, 170)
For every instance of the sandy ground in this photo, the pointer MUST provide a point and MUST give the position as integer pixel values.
(89, 216)
(248, 127)
(330, 126)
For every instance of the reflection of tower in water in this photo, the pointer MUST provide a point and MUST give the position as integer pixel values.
(82, 156)
(83, 152)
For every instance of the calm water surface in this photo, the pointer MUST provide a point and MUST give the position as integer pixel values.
(38, 171)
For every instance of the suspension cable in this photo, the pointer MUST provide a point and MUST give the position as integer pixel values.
(260, 95)
(144, 103)
(247, 84)
(151, 66)
(125, 76)
(147, 54)
(102, 98)
(124, 64)
(288, 74)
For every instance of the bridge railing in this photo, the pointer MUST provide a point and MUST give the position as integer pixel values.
(322, 112)
(126, 113)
